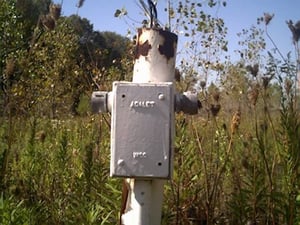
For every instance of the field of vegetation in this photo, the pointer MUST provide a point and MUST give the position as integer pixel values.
(236, 162)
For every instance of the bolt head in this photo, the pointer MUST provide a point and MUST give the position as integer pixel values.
(120, 162)
(161, 97)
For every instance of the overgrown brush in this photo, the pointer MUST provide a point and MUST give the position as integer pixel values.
(237, 162)
(243, 170)
(57, 172)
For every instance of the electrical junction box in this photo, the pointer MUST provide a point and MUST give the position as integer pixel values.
(142, 130)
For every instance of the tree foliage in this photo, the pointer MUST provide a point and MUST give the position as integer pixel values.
(48, 62)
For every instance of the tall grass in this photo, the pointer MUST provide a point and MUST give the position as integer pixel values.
(57, 172)
(249, 176)
(239, 165)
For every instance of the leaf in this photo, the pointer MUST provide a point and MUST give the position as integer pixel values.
(105, 219)
(117, 13)
(120, 12)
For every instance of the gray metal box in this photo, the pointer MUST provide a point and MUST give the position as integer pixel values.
(142, 130)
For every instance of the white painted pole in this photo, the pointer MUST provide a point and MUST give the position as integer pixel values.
(139, 203)
(155, 58)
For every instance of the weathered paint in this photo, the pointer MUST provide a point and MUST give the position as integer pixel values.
(168, 48)
(155, 56)
(142, 49)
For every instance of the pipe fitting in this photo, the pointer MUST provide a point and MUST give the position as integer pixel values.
(100, 102)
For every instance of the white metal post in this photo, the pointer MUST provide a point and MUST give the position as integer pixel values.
(154, 62)
(142, 149)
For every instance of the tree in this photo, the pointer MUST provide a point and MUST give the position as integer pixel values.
(48, 61)
(102, 55)
(30, 12)
(12, 42)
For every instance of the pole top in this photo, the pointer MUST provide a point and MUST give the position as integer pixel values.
(155, 55)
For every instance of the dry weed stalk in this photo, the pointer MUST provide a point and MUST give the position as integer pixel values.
(216, 96)
(288, 86)
(253, 95)
(235, 121)
(10, 67)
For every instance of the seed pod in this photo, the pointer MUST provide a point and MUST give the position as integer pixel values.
(253, 69)
(268, 17)
(215, 109)
(10, 67)
(287, 86)
(42, 136)
(235, 121)
(253, 95)
(80, 3)
(216, 95)
(48, 22)
(246, 164)
(263, 126)
(202, 84)
(55, 11)
(266, 81)
(295, 29)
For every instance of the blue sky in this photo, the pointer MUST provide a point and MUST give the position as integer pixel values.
(238, 14)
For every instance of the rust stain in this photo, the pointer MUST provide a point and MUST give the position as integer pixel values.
(168, 47)
(142, 49)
